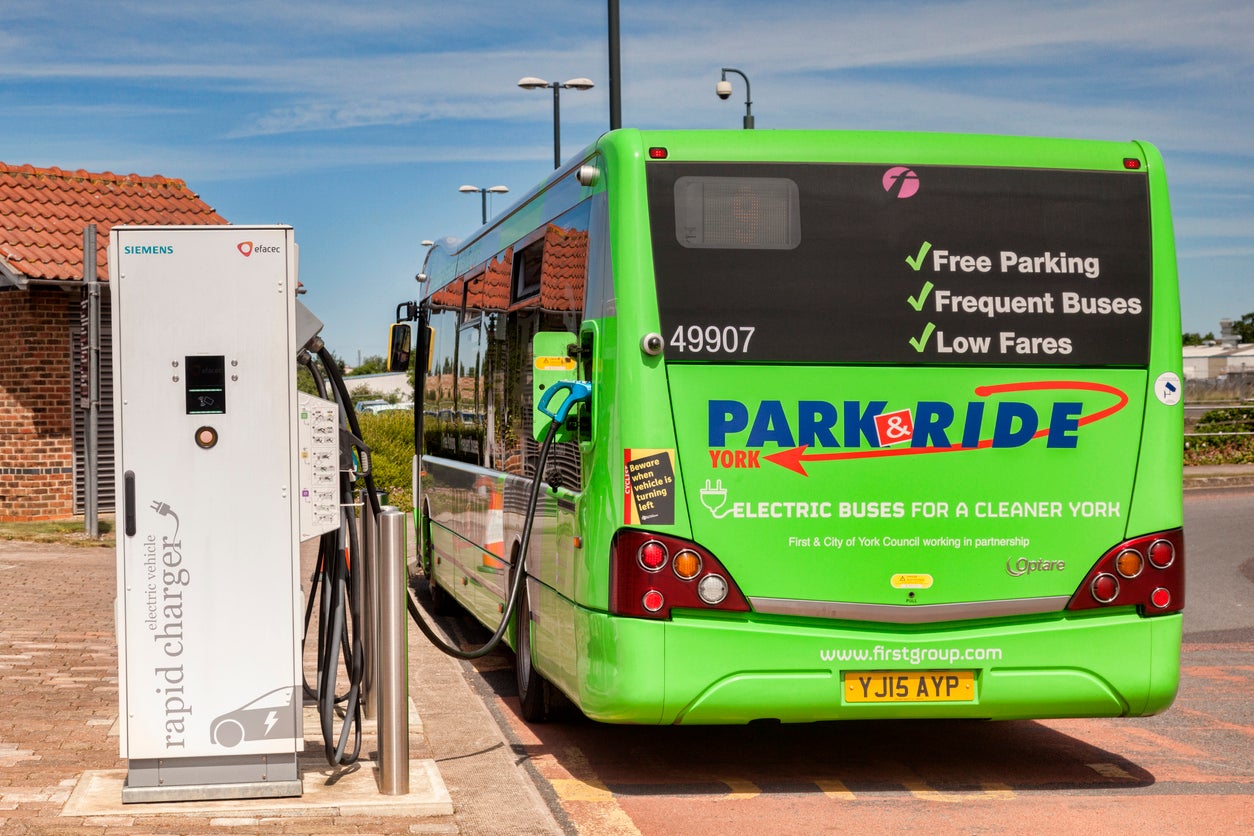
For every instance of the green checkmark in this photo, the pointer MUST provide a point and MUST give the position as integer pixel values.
(917, 302)
(921, 342)
(916, 262)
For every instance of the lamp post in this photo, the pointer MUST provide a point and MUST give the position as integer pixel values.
(724, 90)
(483, 194)
(533, 83)
(616, 78)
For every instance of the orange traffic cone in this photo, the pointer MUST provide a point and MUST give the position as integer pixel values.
(495, 532)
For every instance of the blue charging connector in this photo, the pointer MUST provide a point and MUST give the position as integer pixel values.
(578, 391)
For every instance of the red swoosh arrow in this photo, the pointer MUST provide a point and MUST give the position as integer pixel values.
(796, 458)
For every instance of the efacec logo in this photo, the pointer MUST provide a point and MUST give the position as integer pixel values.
(247, 248)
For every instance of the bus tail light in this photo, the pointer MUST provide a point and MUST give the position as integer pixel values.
(652, 556)
(650, 574)
(1146, 572)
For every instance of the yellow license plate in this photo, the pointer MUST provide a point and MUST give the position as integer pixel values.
(909, 686)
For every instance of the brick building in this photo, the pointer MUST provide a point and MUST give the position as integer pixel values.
(43, 331)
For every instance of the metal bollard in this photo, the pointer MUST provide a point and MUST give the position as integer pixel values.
(393, 656)
(368, 590)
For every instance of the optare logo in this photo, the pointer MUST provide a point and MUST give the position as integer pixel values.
(245, 248)
(901, 181)
(1018, 567)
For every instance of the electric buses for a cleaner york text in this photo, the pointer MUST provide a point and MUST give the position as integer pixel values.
(880, 425)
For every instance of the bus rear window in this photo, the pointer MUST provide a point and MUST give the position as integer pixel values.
(901, 264)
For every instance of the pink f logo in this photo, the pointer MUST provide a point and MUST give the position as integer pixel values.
(901, 181)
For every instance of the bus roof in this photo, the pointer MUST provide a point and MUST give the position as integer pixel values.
(451, 256)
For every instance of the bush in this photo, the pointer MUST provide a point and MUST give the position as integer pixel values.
(1222, 449)
(390, 436)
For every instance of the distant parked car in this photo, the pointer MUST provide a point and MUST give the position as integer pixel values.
(393, 407)
(369, 406)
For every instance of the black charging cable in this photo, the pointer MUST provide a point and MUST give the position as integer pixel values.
(340, 619)
(519, 570)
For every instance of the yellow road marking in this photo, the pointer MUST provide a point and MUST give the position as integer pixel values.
(990, 792)
(741, 789)
(575, 789)
(586, 798)
(833, 788)
(1110, 770)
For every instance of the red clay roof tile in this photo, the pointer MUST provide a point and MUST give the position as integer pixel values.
(43, 212)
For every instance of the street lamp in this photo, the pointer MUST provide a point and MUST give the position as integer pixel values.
(724, 90)
(533, 83)
(483, 194)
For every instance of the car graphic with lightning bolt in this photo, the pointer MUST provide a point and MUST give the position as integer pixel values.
(270, 716)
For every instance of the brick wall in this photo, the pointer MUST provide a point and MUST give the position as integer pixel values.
(36, 433)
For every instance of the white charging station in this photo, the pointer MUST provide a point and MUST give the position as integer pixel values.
(209, 605)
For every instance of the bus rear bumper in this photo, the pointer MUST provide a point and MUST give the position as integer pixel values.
(729, 671)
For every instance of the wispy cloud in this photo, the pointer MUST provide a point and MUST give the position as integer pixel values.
(232, 94)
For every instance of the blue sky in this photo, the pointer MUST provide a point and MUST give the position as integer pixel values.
(356, 122)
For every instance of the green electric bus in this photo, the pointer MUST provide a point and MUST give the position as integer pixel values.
(882, 425)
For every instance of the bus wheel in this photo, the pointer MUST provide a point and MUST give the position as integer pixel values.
(533, 689)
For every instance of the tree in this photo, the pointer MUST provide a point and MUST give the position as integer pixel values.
(304, 379)
(374, 364)
(1194, 338)
(1244, 328)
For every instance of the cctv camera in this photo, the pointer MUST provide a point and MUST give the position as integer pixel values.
(652, 344)
(723, 88)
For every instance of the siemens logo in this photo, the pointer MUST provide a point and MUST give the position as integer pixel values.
(148, 249)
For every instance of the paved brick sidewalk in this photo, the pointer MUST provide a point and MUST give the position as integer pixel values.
(58, 679)
(58, 711)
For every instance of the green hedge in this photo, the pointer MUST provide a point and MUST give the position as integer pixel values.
(1222, 449)
(390, 436)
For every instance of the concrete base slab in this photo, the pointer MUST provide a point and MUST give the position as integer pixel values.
(327, 792)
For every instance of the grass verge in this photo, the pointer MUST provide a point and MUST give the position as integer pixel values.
(64, 532)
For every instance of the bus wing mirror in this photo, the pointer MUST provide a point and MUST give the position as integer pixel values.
(398, 347)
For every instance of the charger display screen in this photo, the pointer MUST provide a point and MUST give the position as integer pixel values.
(206, 385)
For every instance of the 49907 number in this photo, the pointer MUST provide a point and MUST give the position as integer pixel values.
(712, 339)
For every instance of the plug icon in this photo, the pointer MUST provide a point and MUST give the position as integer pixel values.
(714, 498)
(165, 510)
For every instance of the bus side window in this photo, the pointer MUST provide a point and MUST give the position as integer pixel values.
(469, 397)
(439, 426)
(544, 279)
(600, 293)
(526, 273)
(563, 287)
